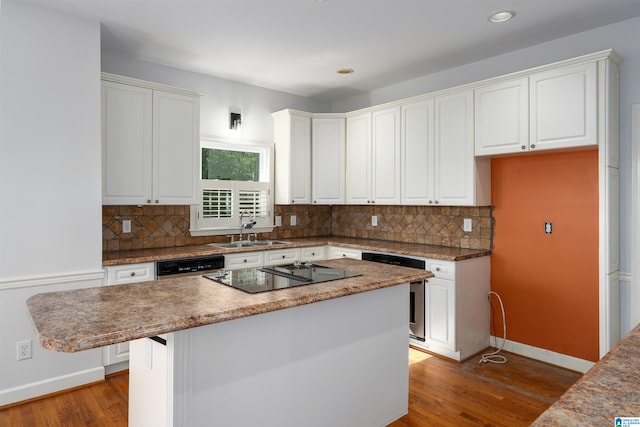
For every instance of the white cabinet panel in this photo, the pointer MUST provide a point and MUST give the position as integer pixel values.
(328, 158)
(502, 118)
(564, 107)
(440, 303)
(280, 256)
(120, 275)
(150, 145)
(315, 253)
(335, 252)
(417, 153)
(243, 260)
(126, 144)
(292, 135)
(386, 156)
(176, 145)
(358, 157)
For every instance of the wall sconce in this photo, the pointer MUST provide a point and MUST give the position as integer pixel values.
(235, 120)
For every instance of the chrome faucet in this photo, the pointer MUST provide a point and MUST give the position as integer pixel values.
(245, 225)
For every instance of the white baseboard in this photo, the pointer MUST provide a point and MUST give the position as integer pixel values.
(51, 385)
(548, 356)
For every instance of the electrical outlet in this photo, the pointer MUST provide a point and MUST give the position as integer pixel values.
(23, 350)
(467, 225)
(374, 220)
(278, 221)
(126, 226)
(548, 227)
(294, 220)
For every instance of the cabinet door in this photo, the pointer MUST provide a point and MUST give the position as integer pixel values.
(315, 253)
(417, 151)
(454, 151)
(328, 159)
(564, 107)
(126, 144)
(440, 313)
(358, 159)
(502, 118)
(176, 144)
(385, 136)
(292, 135)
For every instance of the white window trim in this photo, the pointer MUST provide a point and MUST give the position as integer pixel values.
(266, 175)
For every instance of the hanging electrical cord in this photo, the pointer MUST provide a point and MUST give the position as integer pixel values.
(494, 357)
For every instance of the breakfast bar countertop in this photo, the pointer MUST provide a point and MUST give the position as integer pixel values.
(81, 319)
(444, 253)
(610, 389)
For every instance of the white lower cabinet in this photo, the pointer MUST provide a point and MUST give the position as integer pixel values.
(243, 260)
(315, 253)
(335, 252)
(457, 308)
(273, 257)
(280, 256)
(120, 275)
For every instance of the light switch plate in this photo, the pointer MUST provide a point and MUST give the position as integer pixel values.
(278, 221)
(467, 225)
(294, 220)
(126, 226)
(374, 220)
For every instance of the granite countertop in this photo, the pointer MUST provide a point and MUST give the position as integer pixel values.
(608, 390)
(81, 319)
(413, 249)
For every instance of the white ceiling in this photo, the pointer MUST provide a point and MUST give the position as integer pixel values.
(296, 46)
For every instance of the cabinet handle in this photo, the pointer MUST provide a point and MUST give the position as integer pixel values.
(148, 200)
(156, 201)
(430, 202)
(533, 146)
(313, 253)
(437, 268)
(283, 256)
(133, 273)
(524, 147)
(244, 260)
(315, 201)
(437, 202)
(293, 201)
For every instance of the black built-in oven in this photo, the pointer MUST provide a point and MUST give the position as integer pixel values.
(416, 290)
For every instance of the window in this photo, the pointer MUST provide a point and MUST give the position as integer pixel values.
(236, 178)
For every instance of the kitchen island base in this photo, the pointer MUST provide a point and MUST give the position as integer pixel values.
(339, 362)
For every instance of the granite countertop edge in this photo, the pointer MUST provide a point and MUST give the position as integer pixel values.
(444, 253)
(112, 314)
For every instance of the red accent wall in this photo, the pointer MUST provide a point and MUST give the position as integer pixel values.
(548, 282)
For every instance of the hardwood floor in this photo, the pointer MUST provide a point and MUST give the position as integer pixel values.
(441, 393)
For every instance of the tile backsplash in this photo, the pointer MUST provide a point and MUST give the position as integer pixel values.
(167, 226)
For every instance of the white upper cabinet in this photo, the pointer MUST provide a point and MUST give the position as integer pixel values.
(292, 135)
(328, 159)
(150, 143)
(564, 107)
(417, 153)
(385, 149)
(460, 178)
(502, 117)
(358, 168)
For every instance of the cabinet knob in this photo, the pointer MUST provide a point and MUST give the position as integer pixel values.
(437, 202)
(524, 147)
(244, 260)
(133, 273)
(283, 256)
(148, 200)
(313, 253)
(156, 201)
(533, 146)
(315, 201)
(293, 201)
(430, 202)
(437, 268)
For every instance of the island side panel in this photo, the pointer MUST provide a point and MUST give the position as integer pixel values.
(335, 362)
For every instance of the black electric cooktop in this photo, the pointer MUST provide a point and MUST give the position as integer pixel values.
(263, 279)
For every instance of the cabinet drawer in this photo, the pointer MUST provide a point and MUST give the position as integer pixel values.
(334, 252)
(244, 260)
(315, 253)
(282, 256)
(442, 269)
(130, 273)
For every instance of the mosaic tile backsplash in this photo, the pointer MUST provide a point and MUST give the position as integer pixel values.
(167, 226)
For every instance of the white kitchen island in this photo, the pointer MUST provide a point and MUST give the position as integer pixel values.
(327, 354)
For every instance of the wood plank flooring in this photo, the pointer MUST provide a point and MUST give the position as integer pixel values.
(441, 393)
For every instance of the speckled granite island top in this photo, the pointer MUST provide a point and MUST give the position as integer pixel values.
(81, 319)
(413, 249)
(608, 390)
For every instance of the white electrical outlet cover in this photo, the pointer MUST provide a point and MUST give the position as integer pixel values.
(126, 226)
(278, 221)
(374, 220)
(467, 225)
(293, 220)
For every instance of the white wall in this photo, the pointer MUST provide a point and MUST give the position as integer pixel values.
(50, 203)
(622, 37)
(256, 103)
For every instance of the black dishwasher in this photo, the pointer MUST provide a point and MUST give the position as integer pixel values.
(416, 289)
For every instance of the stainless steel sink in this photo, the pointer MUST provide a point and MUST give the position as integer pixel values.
(246, 244)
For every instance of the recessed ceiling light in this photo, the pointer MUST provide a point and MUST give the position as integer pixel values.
(345, 71)
(501, 16)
